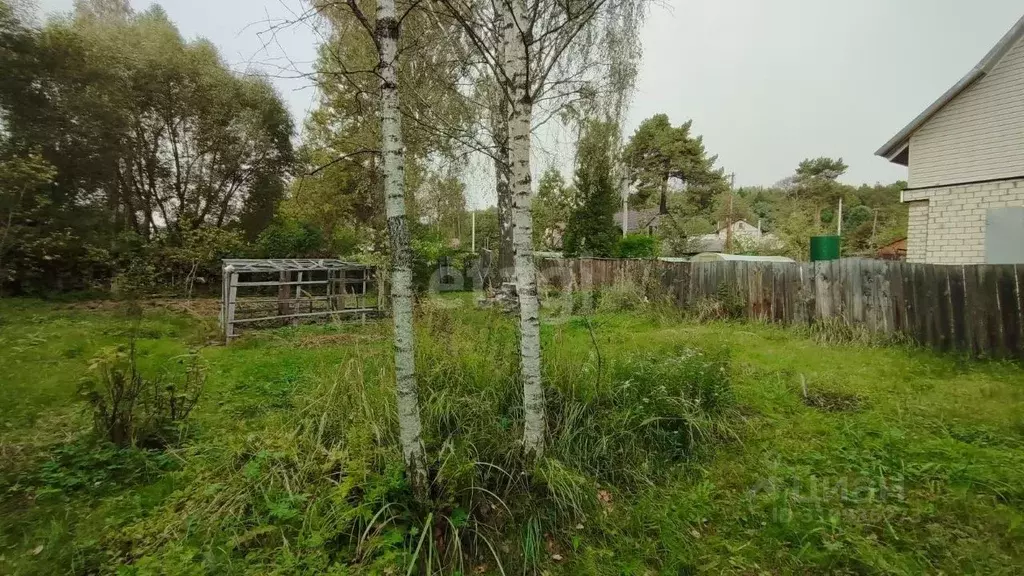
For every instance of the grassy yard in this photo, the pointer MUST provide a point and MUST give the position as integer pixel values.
(827, 459)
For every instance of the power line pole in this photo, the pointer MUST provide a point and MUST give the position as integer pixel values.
(728, 219)
(625, 202)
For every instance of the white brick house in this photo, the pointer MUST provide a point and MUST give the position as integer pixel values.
(965, 155)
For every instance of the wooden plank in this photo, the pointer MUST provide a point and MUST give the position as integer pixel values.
(1019, 288)
(917, 312)
(763, 308)
(959, 339)
(794, 288)
(305, 314)
(836, 287)
(684, 270)
(883, 305)
(822, 292)
(1006, 281)
(990, 310)
(229, 320)
(808, 299)
(943, 322)
(897, 302)
(973, 324)
(930, 305)
(293, 283)
(853, 291)
(779, 289)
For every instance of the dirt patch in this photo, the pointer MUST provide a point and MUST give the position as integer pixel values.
(833, 401)
(197, 307)
(312, 341)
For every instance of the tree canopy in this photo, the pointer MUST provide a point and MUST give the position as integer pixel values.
(145, 133)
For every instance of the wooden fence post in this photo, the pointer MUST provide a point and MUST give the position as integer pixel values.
(232, 296)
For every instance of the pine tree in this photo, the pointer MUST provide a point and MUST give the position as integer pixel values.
(591, 230)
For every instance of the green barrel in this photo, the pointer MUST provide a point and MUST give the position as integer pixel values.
(824, 248)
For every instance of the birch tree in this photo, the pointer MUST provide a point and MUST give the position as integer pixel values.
(401, 253)
(384, 32)
(544, 58)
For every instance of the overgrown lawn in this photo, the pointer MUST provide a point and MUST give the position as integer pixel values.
(674, 448)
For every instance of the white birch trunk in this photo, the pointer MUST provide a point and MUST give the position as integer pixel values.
(526, 275)
(393, 164)
(502, 177)
(506, 245)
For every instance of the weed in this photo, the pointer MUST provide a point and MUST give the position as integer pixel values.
(128, 408)
(836, 330)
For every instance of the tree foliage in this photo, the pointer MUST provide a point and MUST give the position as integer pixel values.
(552, 208)
(146, 133)
(659, 152)
(591, 229)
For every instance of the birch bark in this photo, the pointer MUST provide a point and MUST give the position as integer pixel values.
(516, 42)
(502, 176)
(393, 167)
(506, 247)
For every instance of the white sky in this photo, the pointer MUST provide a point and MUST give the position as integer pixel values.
(766, 82)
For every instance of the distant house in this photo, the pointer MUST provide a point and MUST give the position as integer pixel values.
(965, 155)
(744, 234)
(643, 221)
(896, 250)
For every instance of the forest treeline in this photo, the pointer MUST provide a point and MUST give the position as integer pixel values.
(133, 158)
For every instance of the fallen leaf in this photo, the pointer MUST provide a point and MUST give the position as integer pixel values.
(37, 550)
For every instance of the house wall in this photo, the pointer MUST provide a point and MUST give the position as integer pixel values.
(740, 228)
(917, 231)
(977, 136)
(947, 225)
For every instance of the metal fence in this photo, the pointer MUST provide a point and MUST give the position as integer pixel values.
(977, 309)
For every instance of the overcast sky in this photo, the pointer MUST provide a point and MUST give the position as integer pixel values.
(766, 82)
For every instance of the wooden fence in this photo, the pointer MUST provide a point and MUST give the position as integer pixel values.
(978, 309)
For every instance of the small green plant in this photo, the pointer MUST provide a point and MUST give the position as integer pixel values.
(638, 246)
(726, 304)
(622, 296)
(837, 330)
(96, 466)
(128, 408)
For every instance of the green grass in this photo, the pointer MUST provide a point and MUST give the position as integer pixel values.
(897, 460)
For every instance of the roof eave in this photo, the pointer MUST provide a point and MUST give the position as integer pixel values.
(895, 145)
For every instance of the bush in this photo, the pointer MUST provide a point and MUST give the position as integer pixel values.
(637, 246)
(286, 238)
(129, 409)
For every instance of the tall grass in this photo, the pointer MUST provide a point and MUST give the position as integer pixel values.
(324, 488)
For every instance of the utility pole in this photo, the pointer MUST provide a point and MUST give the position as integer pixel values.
(472, 218)
(728, 218)
(625, 202)
(839, 227)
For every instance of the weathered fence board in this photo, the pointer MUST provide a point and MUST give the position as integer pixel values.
(977, 309)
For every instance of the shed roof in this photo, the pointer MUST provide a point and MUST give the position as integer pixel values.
(288, 264)
(639, 219)
(898, 143)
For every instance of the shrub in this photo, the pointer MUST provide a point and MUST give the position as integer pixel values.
(286, 238)
(637, 246)
(621, 296)
(128, 408)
